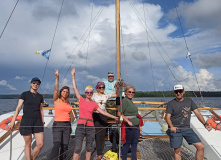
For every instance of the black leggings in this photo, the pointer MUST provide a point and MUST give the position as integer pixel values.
(100, 122)
(61, 136)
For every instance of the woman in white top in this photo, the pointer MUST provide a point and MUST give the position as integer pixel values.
(100, 121)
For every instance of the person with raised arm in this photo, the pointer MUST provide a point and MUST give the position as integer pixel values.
(178, 114)
(62, 125)
(85, 124)
(32, 119)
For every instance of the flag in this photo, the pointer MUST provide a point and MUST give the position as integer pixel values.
(188, 54)
(44, 53)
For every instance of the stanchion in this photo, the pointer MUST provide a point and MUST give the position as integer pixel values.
(10, 145)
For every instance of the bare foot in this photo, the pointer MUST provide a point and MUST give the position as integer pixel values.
(99, 157)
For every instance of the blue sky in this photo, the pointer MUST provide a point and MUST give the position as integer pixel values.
(85, 39)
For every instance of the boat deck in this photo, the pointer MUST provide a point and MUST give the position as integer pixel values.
(154, 144)
(151, 148)
(158, 149)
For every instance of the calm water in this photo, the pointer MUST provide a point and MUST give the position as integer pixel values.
(8, 105)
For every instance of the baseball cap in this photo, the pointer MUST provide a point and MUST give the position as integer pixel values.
(178, 87)
(35, 79)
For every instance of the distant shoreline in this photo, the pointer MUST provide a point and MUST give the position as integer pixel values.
(140, 94)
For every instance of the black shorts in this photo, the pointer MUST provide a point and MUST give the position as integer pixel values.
(30, 126)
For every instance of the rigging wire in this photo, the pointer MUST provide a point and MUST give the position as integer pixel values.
(140, 19)
(137, 13)
(150, 53)
(148, 44)
(53, 39)
(9, 19)
(94, 21)
(124, 53)
(184, 37)
(92, 8)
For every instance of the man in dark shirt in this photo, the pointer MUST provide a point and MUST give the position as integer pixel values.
(178, 115)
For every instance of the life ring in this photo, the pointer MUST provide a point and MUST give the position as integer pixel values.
(212, 122)
(4, 123)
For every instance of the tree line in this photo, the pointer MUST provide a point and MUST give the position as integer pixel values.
(141, 94)
(171, 94)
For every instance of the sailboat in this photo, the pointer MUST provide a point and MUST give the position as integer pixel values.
(17, 140)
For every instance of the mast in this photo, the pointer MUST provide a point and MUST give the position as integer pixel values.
(118, 62)
(118, 36)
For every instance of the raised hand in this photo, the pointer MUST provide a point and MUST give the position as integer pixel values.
(73, 72)
(56, 73)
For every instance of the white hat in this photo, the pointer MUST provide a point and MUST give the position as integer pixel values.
(178, 87)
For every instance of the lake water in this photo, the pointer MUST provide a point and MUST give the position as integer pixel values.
(8, 105)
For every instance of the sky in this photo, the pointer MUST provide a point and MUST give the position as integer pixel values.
(155, 39)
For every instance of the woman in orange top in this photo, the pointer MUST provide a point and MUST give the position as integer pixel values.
(61, 125)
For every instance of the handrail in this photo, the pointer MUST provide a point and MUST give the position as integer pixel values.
(215, 115)
(138, 102)
(140, 109)
(9, 131)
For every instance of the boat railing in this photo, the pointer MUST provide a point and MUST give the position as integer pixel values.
(3, 137)
(154, 107)
(75, 109)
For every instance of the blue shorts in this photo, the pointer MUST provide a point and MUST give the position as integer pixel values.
(176, 139)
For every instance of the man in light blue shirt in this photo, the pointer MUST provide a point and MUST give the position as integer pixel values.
(110, 89)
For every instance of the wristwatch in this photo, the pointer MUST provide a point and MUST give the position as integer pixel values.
(205, 124)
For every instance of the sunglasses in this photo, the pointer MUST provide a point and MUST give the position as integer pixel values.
(36, 83)
(88, 92)
(180, 91)
(110, 73)
(101, 87)
(131, 92)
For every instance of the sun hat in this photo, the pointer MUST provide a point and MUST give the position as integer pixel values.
(178, 87)
(35, 79)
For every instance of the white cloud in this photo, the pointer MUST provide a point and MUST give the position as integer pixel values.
(20, 77)
(32, 29)
(65, 82)
(95, 79)
(7, 85)
(206, 80)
